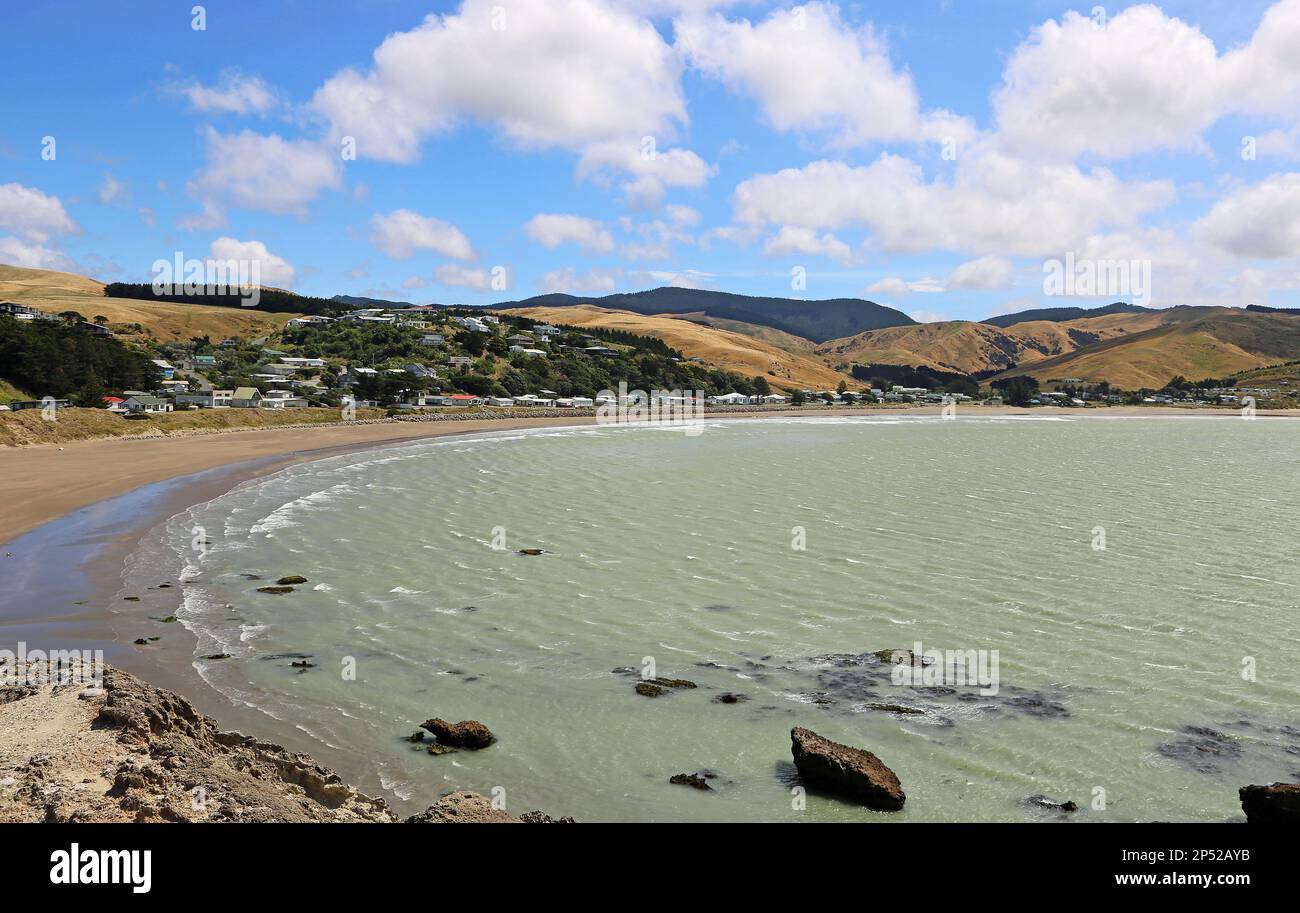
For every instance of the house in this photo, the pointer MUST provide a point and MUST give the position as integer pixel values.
(431, 339)
(473, 324)
(39, 404)
(465, 399)
(500, 401)
(204, 361)
(297, 322)
(520, 339)
(167, 369)
(460, 361)
(283, 399)
(729, 399)
(206, 399)
(301, 363)
(352, 376)
(418, 370)
(94, 329)
(536, 353)
(22, 312)
(246, 398)
(543, 330)
(600, 350)
(146, 403)
(772, 399)
(114, 403)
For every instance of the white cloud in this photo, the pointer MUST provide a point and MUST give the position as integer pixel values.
(274, 271)
(33, 215)
(455, 276)
(1257, 222)
(994, 204)
(812, 72)
(987, 272)
(552, 229)
(900, 288)
(254, 171)
(794, 240)
(17, 252)
(235, 93)
(569, 280)
(111, 190)
(923, 316)
(652, 169)
(545, 73)
(401, 233)
(1144, 81)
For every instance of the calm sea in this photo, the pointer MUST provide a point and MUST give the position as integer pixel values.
(1136, 577)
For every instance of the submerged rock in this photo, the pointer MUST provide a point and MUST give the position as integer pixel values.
(853, 773)
(729, 698)
(1043, 802)
(1202, 749)
(469, 734)
(275, 589)
(649, 689)
(1275, 804)
(653, 687)
(532, 551)
(694, 781)
(895, 708)
(292, 578)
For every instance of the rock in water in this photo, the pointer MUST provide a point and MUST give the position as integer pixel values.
(277, 590)
(469, 734)
(1276, 804)
(291, 579)
(695, 781)
(849, 772)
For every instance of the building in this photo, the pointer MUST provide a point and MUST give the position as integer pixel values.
(206, 399)
(283, 399)
(167, 369)
(204, 361)
(22, 312)
(300, 363)
(147, 404)
(431, 339)
(536, 353)
(246, 398)
(39, 404)
(729, 399)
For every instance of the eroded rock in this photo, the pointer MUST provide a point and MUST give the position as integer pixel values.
(853, 773)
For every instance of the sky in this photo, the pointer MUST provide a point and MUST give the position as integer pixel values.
(945, 157)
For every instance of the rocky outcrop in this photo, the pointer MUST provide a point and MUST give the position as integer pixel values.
(694, 781)
(462, 808)
(469, 734)
(291, 580)
(852, 773)
(1275, 804)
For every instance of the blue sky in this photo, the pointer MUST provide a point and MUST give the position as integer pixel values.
(928, 155)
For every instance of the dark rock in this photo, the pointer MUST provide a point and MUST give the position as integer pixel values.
(729, 698)
(436, 749)
(539, 817)
(469, 734)
(292, 578)
(895, 708)
(853, 773)
(649, 689)
(1202, 749)
(1043, 802)
(673, 683)
(164, 586)
(140, 641)
(695, 781)
(532, 551)
(217, 656)
(417, 736)
(462, 808)
(167, 619)
(130, 598)
(1275, 804)
(302, 664)
(275, 589)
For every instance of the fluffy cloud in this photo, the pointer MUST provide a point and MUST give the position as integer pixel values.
(17, 252)
(900, 288)
(254, 171)
(652, 169)
(987, 272)
(545, 73)
(811, 72)
(235, 93)
(33, 215)
(551, 229)
(455, 276)
(1257, 222)
(1140, 81)
(569, 280)
(274, 271)
(995, 204)
(401, 233)
(794, 240)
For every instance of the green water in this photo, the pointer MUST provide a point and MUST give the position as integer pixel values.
(974, 534)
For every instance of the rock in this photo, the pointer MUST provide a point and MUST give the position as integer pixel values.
(649, 689)
(89, 694)
(462, 808)
(217, 656)
(895, 708)
(674, 683)
(167, 619)
(469, 734)
(1043, 802)
(417, 736)
(853, 773)
(532, 551)
(436, 749)
(540, 817)
(1275, 804)
(140, 641)
(292, 578)
(302, 664)
(695, 781)
(729, 698)
(275, 589)
(130, 598)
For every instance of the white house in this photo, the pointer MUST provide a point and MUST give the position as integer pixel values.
(283, 399)
(146, 403)
(246, 398)
(729, 399)
(536, 353)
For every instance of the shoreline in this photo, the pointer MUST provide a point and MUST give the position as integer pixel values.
(78, 604)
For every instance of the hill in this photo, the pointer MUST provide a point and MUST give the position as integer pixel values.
(53, 291)
(1192, 342)
(1062, 314)
(815, 320)
(725, 349)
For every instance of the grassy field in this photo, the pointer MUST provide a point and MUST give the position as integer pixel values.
(27, 426)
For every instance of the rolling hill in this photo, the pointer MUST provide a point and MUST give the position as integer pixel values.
(745, 354)
(1062, 314)
(818, 321)
(53, 291)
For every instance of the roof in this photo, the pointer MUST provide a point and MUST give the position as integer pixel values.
(247, 393)
(147, 400)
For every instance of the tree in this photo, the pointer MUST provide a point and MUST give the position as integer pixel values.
(1017, 391)
(841, 388)
(797, 398)
(761, 386)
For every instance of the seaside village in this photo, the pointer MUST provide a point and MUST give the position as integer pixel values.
(404, 359)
